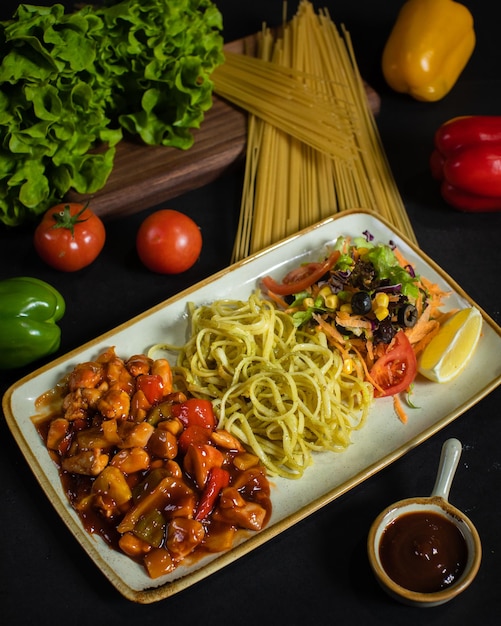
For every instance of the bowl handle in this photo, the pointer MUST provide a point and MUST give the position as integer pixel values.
(449, 459)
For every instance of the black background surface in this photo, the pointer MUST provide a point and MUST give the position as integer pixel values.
(316, 572)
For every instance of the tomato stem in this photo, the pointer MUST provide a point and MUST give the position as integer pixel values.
(64, 219)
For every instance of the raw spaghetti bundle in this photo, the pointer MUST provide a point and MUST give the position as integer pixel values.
(313, 147)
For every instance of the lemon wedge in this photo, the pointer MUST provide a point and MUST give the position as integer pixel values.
(450, 350)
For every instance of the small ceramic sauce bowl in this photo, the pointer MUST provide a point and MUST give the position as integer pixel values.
(424, 551)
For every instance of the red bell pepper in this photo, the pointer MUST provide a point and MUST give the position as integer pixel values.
(218, 479)
(196, 435)
(152, 386)
(467, 161)
(195, 412)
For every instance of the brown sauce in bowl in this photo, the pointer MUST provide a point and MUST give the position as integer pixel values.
(423, 551)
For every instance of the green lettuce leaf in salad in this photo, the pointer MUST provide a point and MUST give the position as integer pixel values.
(388, 268)
(384, 261)
(71, 85)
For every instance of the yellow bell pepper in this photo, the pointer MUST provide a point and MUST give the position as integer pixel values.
(428, 48)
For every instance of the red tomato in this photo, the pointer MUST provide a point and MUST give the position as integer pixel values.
(395, 370)
(168, 242)
(69, 237)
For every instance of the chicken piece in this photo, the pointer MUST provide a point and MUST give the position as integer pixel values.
(159, 562)
(58, 430)
(161, 367)
(87, 462)
(173, 424)
(110, 432)
(233, 509)
(91, 438)
(94, 394)
(134, 435)
(75, 406)
(139, 364)
(183, 536)
(200, 459)
(114, 404)
(173, 468)
(106, 356)
(139, 406)
(224, 439)
(133, 546)
(88, 375)
(245, 460)
(118, 376)
(131, 460)
(252, 481)
(163, 444)
(219, 537)
(112, 486)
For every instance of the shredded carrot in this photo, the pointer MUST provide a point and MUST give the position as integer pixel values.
(433, 288)
(368, 377)
(435, 293)
(369, 344)
(399, 409)
(443, 317)
(420, 328)
(351, 321)
(422, 343)
(401, 259)
(278, 300)
(333, 334)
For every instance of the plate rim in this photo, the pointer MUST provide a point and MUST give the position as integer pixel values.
(155, 593)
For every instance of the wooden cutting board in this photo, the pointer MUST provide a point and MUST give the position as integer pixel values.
(145, 176)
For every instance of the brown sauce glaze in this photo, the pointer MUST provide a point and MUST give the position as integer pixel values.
(145, 467)
(423, 551)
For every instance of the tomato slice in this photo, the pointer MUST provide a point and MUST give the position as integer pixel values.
(152, 386)
(395, 371)
(302, 277)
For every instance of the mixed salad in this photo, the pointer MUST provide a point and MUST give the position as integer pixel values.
(371, 304)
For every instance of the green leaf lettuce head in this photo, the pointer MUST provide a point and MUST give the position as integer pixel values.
(72, 84)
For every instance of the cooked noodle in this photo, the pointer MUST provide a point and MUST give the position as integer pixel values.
(282, 391)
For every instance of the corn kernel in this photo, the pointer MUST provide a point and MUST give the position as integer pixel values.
(348, 366)
(308, 303)
(381, 312)
(346, 308)
(332, 301)
(380, 300)
(325, 292)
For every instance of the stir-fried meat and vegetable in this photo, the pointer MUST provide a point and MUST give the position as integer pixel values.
(146, 468)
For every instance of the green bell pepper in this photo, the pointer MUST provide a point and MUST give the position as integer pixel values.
(29, 310)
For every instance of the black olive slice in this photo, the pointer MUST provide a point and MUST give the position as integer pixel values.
(407, 316)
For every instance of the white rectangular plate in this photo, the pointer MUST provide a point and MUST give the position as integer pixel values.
(381, 441)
